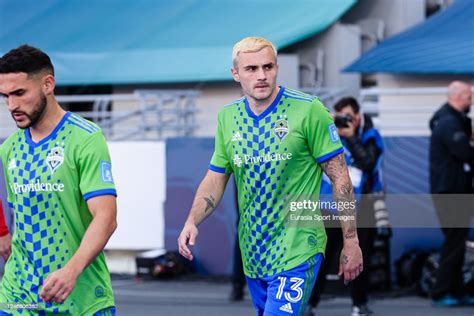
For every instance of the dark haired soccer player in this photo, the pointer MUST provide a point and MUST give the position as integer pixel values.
(60, 188)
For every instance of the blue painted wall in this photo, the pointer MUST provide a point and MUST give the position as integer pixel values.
(187, 161)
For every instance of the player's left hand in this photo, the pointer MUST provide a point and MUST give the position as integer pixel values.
(58, 285)
(351, 262)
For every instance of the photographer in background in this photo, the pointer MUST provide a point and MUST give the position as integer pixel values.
(363, 149)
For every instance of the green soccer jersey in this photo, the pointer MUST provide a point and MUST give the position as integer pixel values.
(48, 185)
(275, 155)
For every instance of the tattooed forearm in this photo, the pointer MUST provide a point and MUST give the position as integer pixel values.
(344, 195)
(336, 170)
(335, 167)
(208, 196)
(351, 231)
(210, 203)
(343, 192)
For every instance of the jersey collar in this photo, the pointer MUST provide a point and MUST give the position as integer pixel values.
(53, 133)
(268, 110)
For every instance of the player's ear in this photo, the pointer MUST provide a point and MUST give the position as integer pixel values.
(235, 74)
(48, 84)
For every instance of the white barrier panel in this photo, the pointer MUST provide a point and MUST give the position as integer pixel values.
(139, 171)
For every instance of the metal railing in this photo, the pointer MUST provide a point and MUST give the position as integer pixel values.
(159, 114)
(143, 115)
(403, 111)
(328, 96)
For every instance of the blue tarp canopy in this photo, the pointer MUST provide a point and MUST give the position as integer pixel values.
(443, 44)
(155, 41)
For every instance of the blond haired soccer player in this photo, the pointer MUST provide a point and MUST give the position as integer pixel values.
(277, 142)
(60, 188)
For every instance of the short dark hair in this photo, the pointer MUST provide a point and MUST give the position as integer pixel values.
(347, 101)
(27, 59)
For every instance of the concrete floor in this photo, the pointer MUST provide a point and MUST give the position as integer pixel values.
(210, 298)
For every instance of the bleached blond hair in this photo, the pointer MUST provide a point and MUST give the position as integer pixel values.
(251, 45)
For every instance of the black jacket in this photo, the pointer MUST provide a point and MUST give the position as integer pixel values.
(450, 152)
(365, 155)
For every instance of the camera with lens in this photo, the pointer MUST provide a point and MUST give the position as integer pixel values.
(342, 121)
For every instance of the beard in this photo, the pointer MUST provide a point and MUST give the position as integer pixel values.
(35, 115)
(262, 96)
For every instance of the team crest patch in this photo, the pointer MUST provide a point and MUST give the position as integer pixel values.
(281, 128)
(106, 172)
(55, 158)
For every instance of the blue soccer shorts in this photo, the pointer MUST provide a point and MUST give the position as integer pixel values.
(110, 311)
(286, 293)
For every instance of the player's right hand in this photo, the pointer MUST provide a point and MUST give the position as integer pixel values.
(5, 246)
(188, 236)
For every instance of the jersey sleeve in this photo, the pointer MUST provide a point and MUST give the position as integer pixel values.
(219, 161)
(321, 132)
(95, 168)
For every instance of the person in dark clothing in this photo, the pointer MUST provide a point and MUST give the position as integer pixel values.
(451, 165)
(237, 292)
(363, 149)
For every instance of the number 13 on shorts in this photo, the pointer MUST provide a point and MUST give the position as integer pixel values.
(285, 293)
(296, 287)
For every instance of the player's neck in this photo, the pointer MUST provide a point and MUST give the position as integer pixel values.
(51, 118)
(259, 106)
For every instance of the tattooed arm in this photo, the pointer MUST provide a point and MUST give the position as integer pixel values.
(336, 170)
(208, 195)
(351, 264)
